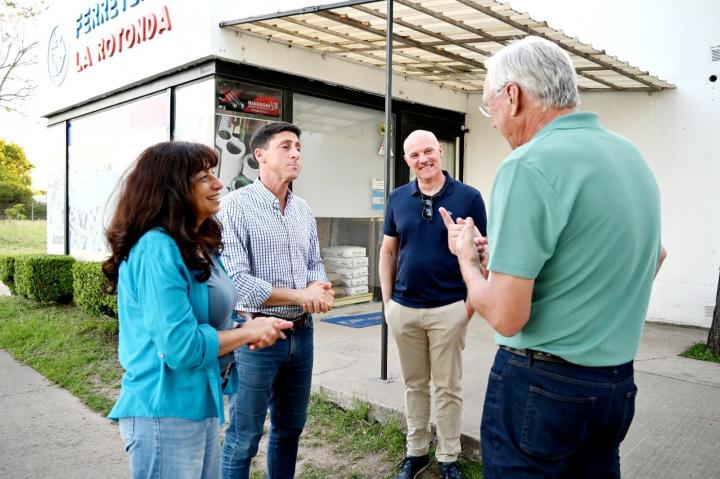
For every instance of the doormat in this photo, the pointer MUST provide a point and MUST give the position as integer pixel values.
(357, 320)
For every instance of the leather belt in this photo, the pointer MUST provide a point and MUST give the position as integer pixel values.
(298, 322)
(536, 355)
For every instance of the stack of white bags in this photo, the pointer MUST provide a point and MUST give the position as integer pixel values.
(347, 269)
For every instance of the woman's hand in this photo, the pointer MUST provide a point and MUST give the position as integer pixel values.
(263, 331)
(257, 333)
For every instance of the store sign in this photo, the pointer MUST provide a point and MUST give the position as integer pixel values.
(100, 12)
(133, 33)
(57, 56)
(239, 101)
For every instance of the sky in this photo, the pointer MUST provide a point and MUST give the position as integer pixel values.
(27, 128)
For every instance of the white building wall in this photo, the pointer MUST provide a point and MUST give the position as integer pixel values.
(676, 130)
(188, 40)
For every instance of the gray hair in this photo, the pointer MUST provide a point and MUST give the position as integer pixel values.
(540, 67)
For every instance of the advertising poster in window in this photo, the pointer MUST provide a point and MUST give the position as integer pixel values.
(238, 166)
(248, 100)
(241, 110)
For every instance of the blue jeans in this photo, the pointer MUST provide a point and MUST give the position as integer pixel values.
(172, 448)
(559, 420)
(276, 378)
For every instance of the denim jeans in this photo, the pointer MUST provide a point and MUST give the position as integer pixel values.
(172, 448)
(543, 419)
(277, 378)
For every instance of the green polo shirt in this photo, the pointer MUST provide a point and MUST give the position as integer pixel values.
(577, 209)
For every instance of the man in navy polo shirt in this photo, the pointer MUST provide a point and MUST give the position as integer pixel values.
(424, 298)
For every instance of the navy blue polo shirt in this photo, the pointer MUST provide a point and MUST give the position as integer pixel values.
(428, 275)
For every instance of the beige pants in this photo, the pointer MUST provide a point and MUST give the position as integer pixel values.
(430, 343)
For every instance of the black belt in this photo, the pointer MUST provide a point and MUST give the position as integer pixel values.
(536, 355)
(298, 321)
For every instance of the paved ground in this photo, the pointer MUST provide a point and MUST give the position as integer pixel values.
(676, 430)
(45, 431)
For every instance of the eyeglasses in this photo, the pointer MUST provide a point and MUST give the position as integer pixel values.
(484, 110)
(427, 208)
(484, 107)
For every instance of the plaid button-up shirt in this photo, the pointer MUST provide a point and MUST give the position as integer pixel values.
(265, 248)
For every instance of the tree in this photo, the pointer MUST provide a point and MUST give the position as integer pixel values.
(14, 165)
(12, 194)
(16, 52)
(713, 341)
(16, 212)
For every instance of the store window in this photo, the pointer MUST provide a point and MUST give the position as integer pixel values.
(241, 110)
(343, 182)
(194, 116)
(55, 142)
(101, 146)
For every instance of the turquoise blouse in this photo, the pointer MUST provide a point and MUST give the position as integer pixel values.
(167, 347)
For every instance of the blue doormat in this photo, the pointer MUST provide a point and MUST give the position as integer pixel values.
(357, 320)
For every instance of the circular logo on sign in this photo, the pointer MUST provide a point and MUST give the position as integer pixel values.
(57, 56)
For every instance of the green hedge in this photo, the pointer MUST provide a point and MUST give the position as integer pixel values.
(88, 290)
(44, 278)
(7, 271)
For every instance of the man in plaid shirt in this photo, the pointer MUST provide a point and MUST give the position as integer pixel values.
(273, 255)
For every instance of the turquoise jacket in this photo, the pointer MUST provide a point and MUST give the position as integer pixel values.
(167, 348)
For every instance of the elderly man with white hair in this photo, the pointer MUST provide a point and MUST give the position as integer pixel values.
(574, 239)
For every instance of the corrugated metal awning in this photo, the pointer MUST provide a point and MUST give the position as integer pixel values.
(444, 42)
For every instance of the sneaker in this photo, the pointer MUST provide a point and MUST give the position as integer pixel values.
(412, 466)
(450, 470)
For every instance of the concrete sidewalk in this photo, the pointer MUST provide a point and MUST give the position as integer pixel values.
(675, 433)
(47, 432)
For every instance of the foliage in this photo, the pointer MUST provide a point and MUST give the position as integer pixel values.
(7, 271)
(89, 290)
(12, 194)
(702, 352)
(14, 165)
(16, 212)
(44, 278)
(38, 210)
(23, 237)
(68, 346)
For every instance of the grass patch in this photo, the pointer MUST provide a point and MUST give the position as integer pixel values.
(23, 237)
(354, 432)
(78, 351)
(69, 347)
(702, 352)
(356, 435)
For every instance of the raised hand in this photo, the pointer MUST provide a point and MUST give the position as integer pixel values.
(454, 229)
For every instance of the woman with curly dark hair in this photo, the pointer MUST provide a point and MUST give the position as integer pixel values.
(175, 304)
